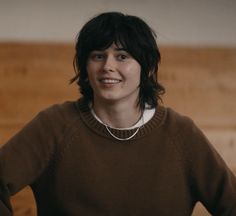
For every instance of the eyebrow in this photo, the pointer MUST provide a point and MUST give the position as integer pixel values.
(121, 49)
(116, 49)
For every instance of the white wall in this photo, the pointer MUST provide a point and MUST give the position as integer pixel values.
(195, 22)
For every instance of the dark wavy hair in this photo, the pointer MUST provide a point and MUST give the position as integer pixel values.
(135, 36)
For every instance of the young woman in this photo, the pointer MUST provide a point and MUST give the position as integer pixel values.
(115, 151)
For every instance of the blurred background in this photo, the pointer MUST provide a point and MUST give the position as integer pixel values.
(197, 40)
(185, 22)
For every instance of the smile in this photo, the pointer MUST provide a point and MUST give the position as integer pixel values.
(109, 81)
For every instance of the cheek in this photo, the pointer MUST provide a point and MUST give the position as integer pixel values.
(90, 78)
(91, 72)
(135, 73)
(134, 69)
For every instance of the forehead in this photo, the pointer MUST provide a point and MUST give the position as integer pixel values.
(113, 47)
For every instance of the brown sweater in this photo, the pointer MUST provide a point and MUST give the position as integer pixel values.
(75, 167)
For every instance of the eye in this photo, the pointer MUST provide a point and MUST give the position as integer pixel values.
(97, 56)
(122, 57)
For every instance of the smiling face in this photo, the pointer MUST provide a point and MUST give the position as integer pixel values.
(114, 75)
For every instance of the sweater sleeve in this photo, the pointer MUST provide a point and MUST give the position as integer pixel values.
(23, 158)
(213, 181)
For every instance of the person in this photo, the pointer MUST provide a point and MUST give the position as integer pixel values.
(117, 150)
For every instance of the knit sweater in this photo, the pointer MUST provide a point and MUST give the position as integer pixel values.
(75, 167)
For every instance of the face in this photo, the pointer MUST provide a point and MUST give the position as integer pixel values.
(114, 75)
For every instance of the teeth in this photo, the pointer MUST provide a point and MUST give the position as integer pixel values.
(110, 81)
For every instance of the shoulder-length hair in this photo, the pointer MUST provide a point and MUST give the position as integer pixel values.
(135, 36)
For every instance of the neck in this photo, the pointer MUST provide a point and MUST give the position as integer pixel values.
(118, 116)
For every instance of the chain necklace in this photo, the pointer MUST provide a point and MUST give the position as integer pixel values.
(127, 138)
(122, 139)
(113, 135)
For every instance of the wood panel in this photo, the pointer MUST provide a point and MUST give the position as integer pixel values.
(200, 82)
(32, 77)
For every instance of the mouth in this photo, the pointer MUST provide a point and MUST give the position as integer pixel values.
(109, 81)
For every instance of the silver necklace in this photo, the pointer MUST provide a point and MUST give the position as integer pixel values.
(113, 135)
(122, 139)
(127, 138)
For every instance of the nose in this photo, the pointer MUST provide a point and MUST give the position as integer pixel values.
(109, 64)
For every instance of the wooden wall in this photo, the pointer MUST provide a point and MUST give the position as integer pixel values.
(200, 82)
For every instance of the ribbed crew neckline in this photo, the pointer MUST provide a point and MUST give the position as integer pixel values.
(90, 121)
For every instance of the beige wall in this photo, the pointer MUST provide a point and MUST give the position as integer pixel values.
(204, 22)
